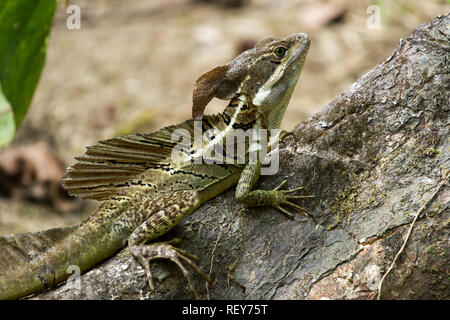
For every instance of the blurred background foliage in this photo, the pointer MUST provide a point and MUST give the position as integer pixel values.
(132, 65)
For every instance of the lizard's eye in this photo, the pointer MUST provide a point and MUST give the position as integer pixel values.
(280, 51)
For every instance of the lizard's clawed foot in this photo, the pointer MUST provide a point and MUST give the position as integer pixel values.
(283, 197)
(165, 250)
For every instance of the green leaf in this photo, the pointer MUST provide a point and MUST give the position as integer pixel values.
(7, 126)
(24, 29)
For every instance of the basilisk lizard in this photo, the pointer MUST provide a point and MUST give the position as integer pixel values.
(144, 193)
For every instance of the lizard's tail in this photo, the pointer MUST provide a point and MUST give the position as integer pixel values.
(33, 262)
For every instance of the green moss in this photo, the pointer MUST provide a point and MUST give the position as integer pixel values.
(413, 164)
(436, 280)
(421, 188)
(376, 197)
(349, 200)
(403, 199)
(371, 200)
(350, 150)
(430, 152)
(434, 250)
(345, 204)
(434, 209)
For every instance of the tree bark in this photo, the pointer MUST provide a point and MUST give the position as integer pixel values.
(375, 157)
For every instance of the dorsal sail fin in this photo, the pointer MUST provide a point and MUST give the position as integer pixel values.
(100, 172)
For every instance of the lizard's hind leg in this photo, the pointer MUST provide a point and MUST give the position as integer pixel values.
(165, 250)
(158, 223)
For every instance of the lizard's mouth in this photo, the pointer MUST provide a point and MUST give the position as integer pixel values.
(297, 59)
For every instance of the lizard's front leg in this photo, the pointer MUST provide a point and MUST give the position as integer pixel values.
(158, 223)
(274, 197)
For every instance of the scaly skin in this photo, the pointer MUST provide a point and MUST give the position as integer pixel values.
(145, 193)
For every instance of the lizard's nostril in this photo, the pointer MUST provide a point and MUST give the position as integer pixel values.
(303, 36)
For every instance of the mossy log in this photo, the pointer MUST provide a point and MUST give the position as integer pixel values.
(375, 157)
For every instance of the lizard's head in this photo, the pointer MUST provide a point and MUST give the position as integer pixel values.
(265, 74)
